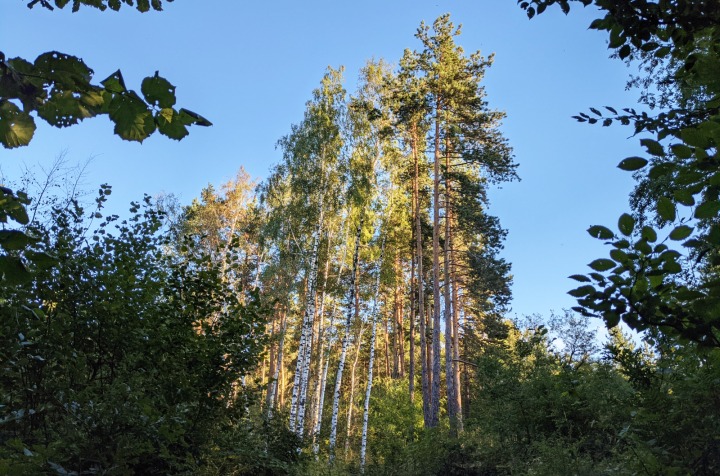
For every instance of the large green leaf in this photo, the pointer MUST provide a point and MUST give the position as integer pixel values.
(13, 270)
(582, 291)
(133, 121)
(632, 163)
(158, 91)
(653, 147)
(600, 232)
(626, 224)
(707, 209)
(190, 117)
(114, 83)
(649, 234)
(16, 126)
(63, 109)
(681, 232)
(64, 71)
(666, 209)
(171, 124)
(13, 240)
(602, 264)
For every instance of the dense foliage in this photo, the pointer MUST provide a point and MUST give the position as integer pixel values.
(122, 357)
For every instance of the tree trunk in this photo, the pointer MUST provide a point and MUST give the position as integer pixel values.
(411, 366)
(320, 396)
(387, 350)
(351, 399)
(425, 372)
(302, 367)
(321, 345)
(368, 388)
(449, 331)
(346, 343)
(435, 392)
(273, 391)
(456, 337)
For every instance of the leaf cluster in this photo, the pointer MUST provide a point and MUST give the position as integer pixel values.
(121, 358)
(58, 88)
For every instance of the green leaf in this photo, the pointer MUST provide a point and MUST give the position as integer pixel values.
(680, 233)
(16, 126)
(672, 267)
(662, 52)
(626, 224)
(611, 319)
(708, 209)
(171, 124)
(682, 151)
(660, 170)
(114, 83)
(580, 278)
(619, 255)
(602, 264)
(684, 197)
(649, 234)
(624, 51)
(666, 209)
(632, 163)
(41, 260)
(189, 118)
(158, 91)
(600, 232)
(13, 240)
(653, 147)
(582, 291)
(63, 109)
(133, 120)
(13, 271)
(695, 137)
(65, 71)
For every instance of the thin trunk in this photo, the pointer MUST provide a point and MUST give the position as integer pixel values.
(435, 392)
(273, 391)
(429, 350)
(271, 361)
(302, 366)
(449, 331)
(456, 337)
(351, 399)
(326, 347)
(368, 388)
(346, 343)
(387, 350)
(401, 332)
(395, 340)
(398, 325)
(420, 285)
(411, 368)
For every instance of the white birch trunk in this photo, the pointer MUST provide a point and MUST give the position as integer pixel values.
(351, 400)
(368, 389)
(272, 392)
(345, 345)
(302, 366)
(325, 356)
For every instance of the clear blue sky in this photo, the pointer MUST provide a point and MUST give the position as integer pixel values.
(249, 67)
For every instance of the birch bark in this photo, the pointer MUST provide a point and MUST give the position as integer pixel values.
(346, 343)
(368, 389)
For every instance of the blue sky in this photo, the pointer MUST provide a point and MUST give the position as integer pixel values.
(250, 67)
